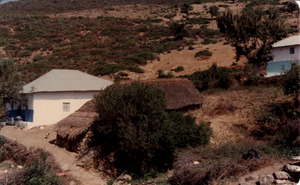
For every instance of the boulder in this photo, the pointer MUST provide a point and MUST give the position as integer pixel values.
(281, 175)
(291, 168)
(296, 158)
(283, 182)
(266, 180)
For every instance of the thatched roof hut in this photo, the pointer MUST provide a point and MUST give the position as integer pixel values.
(180, 92)
(72, 131)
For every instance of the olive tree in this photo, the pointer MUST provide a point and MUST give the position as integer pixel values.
(252, 33)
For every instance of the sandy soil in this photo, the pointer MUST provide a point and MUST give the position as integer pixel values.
(67, 160)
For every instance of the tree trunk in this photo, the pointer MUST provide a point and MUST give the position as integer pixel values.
(256, 69)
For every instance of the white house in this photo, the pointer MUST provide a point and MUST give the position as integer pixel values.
(285, 54)
(56, 95)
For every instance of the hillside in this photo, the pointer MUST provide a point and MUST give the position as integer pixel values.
(103, 38)
(142, 40)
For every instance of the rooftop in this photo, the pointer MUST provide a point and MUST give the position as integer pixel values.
(58, 80)
(290, 41)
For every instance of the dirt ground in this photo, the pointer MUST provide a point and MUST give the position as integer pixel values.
(67, 160)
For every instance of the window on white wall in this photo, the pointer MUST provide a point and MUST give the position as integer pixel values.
(66, 106)
(292, 50)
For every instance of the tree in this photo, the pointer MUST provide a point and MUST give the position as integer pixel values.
(185, 8)
(213, 10)
(10, 84)
(252, 33)
(134, 127)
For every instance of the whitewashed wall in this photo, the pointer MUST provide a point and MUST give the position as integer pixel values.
(48, 106)
(283, 54)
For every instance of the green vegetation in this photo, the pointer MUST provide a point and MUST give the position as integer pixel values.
(246, 32)
(214, 77)
(10, 85)
(291, 84)
(134, 127)
(203, 53)
(208, 41)
(40, 173)
(179, 69)
(213, 10)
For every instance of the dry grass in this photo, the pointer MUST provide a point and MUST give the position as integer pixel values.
(223, 107)
(215, 164)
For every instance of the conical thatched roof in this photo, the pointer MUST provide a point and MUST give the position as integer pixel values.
(180, 92)
(78, 122)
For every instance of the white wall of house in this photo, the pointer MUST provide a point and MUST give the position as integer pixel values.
(283, 53)
(49, 106)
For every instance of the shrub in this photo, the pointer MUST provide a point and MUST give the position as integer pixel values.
(213, 10)
(198, 20)
(208, 41)
(134, 127)
(215, 163)
(40, 173)
(106, 69)
(164, 74)
(214, 77)
(179, 31)
(291, 84)
(203, 53)
(179, 69)
(136, 69)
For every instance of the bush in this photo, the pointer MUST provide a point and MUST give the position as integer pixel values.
(136, 69)
(179, 69)
(214, 77)
(134, 127)
(40, 173)
(209, 41)
(179, 31)
(203, 53)
(164, 74)
(215, 163)
(213, 10)
(291, 84)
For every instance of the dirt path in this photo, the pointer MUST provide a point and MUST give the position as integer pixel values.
(67, 160)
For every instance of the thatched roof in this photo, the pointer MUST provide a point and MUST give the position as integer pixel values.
(180, 92)
(78, 122)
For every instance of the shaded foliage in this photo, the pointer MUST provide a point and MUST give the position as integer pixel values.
(214, 77)
(134, 127)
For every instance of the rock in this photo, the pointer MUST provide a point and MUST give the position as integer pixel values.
(281, 175)
(296, 158)
(42, 127)
(291, 168)
(126, 177)
(249, 178)
(65, 168)
(19, 166)
(251, 154)
(196, 162)
(283, 182)
(266, 180)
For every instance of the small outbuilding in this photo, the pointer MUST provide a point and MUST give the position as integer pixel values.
(73, 131)
(286, 53)
(56, 95)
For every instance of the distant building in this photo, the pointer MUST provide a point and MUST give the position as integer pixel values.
(56, 95)
(286, 53)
